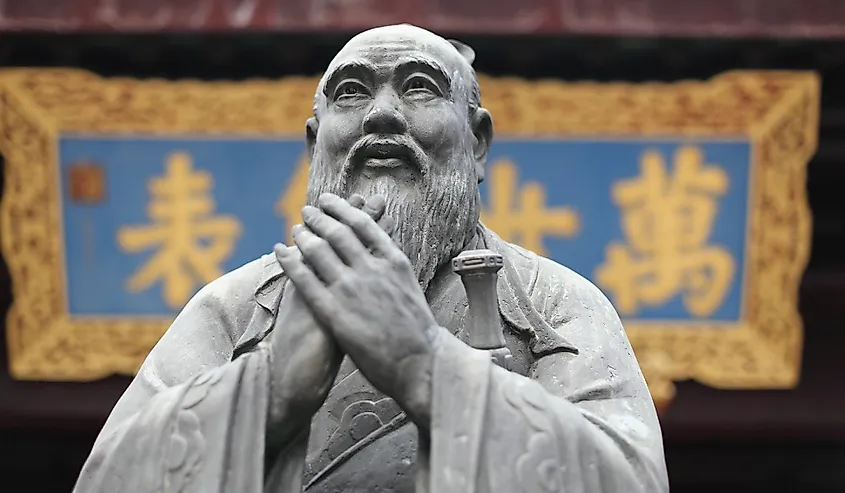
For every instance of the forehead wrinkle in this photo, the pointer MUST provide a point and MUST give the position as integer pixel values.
(396, 63)
(431, 63)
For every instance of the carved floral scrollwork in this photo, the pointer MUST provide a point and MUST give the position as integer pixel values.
(185, 449)
(538, 468)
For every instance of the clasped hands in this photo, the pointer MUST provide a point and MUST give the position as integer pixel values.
(356, 293)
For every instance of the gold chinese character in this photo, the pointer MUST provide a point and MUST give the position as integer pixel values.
(192, 242)
(667, 221)
(293, 198)
(520, 215)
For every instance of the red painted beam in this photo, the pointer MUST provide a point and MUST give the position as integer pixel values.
(719, 18)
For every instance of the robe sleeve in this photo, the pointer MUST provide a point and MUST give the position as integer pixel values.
(193, 419)
(205, 434)
(578, 423)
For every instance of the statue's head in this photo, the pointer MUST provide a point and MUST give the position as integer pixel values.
(398, 113)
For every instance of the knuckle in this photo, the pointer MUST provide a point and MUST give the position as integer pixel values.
(314, 243)
(316, 222)
(293, 265)
(360, 220)
(295, 271)
(388, 224)
(373, 213)
(399, 261)
(337, 233)
(374, 264)
(357, 201)
(324, 199)
(347, 286)
(377, 202)
(323, 245)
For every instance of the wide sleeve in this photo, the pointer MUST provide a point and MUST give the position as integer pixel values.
(580, 422)
(203, 435)
(193, 419)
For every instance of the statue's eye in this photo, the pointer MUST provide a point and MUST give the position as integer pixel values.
(421, 84)
(350, 89)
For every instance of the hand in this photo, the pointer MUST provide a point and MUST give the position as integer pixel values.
(305, 356)
(364, 289)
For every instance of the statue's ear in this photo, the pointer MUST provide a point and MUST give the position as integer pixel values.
(464, 50)
(311, 126)
(482, 130)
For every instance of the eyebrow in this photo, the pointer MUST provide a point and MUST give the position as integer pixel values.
(356, 67)
(417, 62)
(365, 69)
(425, 64)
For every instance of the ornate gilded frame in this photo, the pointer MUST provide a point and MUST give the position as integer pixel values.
(777, 111)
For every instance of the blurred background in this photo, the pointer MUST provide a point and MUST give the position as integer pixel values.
(716, 440)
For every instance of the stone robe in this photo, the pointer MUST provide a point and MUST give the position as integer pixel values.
(574, 414)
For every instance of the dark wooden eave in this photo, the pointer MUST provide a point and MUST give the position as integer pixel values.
(712, 18)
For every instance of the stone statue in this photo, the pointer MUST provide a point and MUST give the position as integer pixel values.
(349, 362)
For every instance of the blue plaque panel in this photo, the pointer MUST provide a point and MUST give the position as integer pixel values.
(659, 225)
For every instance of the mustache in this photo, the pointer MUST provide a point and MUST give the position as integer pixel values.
(386, 146)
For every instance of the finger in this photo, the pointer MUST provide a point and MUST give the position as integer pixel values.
(388, 224)
(356, 200)
(340, 237)
(375, 207)
(370, 234)
(316, 295)
(319, 255)
(283, 250)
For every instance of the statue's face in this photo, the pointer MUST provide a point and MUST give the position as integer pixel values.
(394, 119)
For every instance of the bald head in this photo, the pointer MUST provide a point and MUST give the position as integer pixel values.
(403, 37)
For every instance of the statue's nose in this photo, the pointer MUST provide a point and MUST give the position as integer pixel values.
(385, 117)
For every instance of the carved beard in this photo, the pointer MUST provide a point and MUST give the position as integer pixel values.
(435, 215)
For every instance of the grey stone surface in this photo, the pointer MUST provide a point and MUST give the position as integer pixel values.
(346, 362)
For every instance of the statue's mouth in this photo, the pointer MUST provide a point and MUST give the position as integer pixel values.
(383, 153)
(386, 163)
